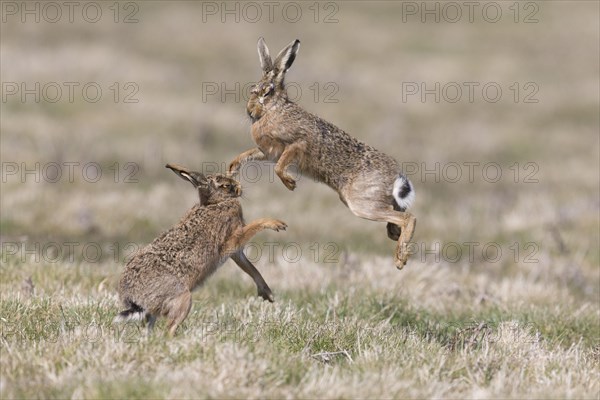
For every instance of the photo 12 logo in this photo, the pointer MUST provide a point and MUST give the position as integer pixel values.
(53, 12)
(54, 252)
(470, 92)
(470, 252)
(471, 172)
(293, 252)
(470, 11)
(68, 171)
(238, 92)
(270, 11)
(69, 92)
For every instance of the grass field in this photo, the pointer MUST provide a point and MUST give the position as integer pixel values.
(497, 124)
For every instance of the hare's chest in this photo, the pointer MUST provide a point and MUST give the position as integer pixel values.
(267, 141)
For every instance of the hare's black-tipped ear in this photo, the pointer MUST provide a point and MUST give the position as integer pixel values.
(263, 54)
(286, 57)
(195, 178)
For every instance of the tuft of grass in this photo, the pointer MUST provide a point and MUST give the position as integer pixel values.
(318, 341)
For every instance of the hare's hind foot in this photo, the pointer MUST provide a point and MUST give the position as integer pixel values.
(401, 257)
(403, 250)
(403, 222)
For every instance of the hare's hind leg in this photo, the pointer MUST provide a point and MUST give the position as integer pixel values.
(381, 211)
(177, 310)
(263, 289)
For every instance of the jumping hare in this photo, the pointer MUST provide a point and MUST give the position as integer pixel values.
(369, 182)
(158, 281)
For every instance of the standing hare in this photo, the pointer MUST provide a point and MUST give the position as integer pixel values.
(159, 279)
(369, 182)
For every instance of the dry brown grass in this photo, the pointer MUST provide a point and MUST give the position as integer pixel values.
(439, 328)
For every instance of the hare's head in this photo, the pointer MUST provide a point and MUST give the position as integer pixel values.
(271, 87)
(212, 189)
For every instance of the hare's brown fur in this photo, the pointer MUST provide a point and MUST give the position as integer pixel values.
(370, 183)
(159, 279)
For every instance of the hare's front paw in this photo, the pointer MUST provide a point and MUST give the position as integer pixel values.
(276, 225)
(234, 167)
(288, 182)
(266, 294)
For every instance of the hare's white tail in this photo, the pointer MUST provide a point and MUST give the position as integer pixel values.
(134, 313)
(404, 193)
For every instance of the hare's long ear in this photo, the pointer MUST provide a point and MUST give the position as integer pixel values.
(263, 54)
(195, 178)
(285, 59)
